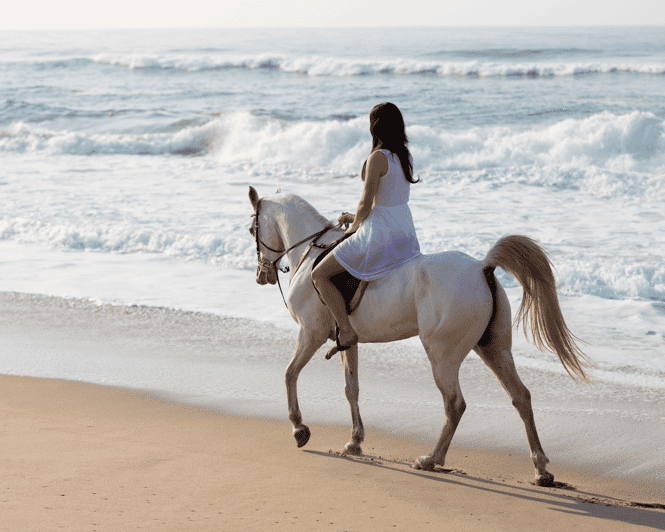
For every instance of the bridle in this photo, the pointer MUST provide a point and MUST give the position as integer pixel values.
(265, 265)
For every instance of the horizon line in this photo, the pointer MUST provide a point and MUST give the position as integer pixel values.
(447, 26)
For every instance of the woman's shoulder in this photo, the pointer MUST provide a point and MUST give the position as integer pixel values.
(392, 155)
(379, 159)
(386, 153)
(383, 158)
(377, 162)
(380, 154)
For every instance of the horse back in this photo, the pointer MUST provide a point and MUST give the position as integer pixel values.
(427, 294)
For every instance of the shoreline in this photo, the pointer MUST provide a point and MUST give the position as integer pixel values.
(237, 365)
(85, 455)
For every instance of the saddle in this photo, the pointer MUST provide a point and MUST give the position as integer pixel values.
(351, 288)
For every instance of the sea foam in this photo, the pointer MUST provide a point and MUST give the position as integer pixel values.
(604, 154)
(318, 65)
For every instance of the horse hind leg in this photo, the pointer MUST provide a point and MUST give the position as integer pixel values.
(351, 389)
(500, 361)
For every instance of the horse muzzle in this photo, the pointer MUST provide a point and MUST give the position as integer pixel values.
(266, 273)
(263, 278)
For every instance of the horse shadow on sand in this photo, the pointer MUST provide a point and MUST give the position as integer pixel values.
(561, 497)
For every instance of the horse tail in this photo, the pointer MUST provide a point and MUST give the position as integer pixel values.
(525, 259)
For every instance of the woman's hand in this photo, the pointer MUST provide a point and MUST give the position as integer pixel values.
(346, 219)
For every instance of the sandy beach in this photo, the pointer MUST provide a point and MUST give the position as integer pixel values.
(79, 456)
(84, 457)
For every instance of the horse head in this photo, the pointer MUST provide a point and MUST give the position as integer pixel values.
(269, 245)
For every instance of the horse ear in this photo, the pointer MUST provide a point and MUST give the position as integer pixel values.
(279, 189)
(253, 197)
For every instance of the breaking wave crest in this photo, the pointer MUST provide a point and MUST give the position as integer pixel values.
(316, 65)
(604, 154)
(23, 137)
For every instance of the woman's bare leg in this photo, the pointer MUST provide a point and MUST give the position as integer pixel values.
(332, 298)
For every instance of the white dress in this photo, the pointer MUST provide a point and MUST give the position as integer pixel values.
(387, 238)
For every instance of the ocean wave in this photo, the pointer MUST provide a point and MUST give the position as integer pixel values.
(597, 140)
(604, 154)
(22, 137)
(316, 65)
(602, 140)
(62, 62)
(233, 137)
(12, 111)
(614, 279)
(230, 246)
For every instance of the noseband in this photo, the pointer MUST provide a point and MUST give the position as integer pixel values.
(265, 265)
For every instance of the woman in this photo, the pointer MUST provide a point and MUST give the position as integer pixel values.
(382, 233)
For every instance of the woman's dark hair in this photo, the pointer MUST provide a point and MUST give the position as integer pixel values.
(386, 125)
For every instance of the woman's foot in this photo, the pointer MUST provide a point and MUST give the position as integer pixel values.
(344, 341)
(340, 345)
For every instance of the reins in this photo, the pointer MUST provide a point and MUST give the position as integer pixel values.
(266, 265)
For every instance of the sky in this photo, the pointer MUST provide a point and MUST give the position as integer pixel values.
(75, 14)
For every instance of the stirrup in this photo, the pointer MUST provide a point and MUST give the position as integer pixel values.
(337, 347)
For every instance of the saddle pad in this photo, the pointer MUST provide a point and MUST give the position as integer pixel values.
(345, 283)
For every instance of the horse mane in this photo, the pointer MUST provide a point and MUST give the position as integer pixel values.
(296, 203)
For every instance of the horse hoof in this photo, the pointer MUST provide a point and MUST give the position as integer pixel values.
(352, 449)
(546, 479)
(302, 435)
(426, 463)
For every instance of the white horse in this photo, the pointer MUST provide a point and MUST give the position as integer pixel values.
(451, 300)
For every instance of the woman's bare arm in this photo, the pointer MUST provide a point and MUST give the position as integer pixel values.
(377, 167)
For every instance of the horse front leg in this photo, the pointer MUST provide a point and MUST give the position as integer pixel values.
(308, 343)
(351, 389)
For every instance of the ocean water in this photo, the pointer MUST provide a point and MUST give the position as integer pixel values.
(125, 160)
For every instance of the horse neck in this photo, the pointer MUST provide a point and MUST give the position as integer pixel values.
(295, 225)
